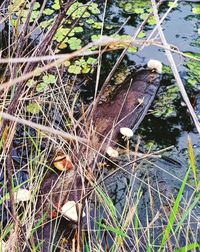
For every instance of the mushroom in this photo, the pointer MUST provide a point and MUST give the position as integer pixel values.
(69, 210)
(22, 195)
(155, 65)
(63, 162)
(3, 246)
(112, 152)
(126, 132)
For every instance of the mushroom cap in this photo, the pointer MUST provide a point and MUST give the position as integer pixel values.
(112, 152)
(63, 162)
(155, 64)
(127, 132)
(3, 246)
(69, 210)
(21, 195)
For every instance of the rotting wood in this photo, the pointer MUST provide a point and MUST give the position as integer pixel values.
(126, 108)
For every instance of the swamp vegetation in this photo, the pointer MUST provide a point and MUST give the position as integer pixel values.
(99, 150)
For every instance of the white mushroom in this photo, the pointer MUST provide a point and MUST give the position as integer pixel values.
(3, 246)
(126, 132)
(155, 65)
(112, 152)
(22, 195)
(69, 210)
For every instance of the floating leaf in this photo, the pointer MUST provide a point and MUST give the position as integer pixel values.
(139, 10)
(62, 45)
(74, 43)
(86, 69)
(30, 83)
(74, 69)
(171, 4)
(128, 7)
(94, 8)
(151, 21)
(196, 10)
(132, 49)
(80, 62)
(97, 25)
(78, 29)
(67, 63)
(56, 5)
(36, 5)
(90, 21)
(193, 77)
(141, 35)
(95, 37)
(48, 11)
(86, 14)
(91, 61)
(33, 108)
(41, 86)
(46, 23)
(49, 78)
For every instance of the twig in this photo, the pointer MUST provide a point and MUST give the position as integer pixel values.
(50, 130)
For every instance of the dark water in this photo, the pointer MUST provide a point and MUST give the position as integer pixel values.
(162, 176)
(156, 132)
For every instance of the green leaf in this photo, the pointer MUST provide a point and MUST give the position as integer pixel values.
(67, 63)
(81, 62)
(151, 21)
(86, 14)
(46, 23)
(192, 160)
(114, 230)
(90, 21)
(48, 11)
(41, 86)
(33, 108)
(97, 25)
(36, 6)
(132, 49)
(30, 83)
(173, 213)
(94, 8)
(49, 78)
(74, 69)
(139, 10)
(128, 7)
(78, 29)
(95, 37)
(141, 35)
(196, 10)
(86, 69)
(189, 247)
(74, 43)
(91, 61)
(56, 5)
(171, 4)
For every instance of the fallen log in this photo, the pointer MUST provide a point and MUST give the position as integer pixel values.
(126, 107)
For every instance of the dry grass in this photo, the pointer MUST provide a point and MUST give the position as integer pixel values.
(126, 224)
